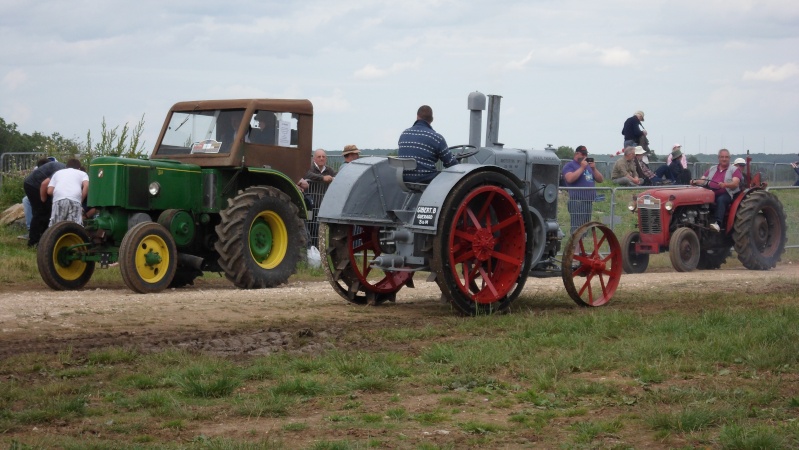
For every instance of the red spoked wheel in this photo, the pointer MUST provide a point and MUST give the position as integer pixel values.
(592, 265)
(348, 251)
(481, 256)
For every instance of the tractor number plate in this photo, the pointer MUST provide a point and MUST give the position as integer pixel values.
(425, 216)
(648, 202)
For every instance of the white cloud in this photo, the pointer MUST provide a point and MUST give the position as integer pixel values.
(334, 103)
(773, 73)
(575, 54)
(14, 79)
(371, 72)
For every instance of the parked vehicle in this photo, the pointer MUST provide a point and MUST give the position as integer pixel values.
(218, 194)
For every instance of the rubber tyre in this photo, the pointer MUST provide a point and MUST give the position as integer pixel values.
(760, 231)
(593, 259)
(507, 269)
(340, 262)
(684, 249)
(144, 241)
(633, 262)
(57, 273)
(260, 238)
(184, 276)
(713, 258)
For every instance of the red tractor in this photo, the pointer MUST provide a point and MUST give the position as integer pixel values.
(677, 220)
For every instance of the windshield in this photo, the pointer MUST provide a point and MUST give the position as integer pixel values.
(214, 131)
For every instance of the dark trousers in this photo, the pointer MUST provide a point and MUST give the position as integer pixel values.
(580, 212)
(664, 172)
(723, 202)
(40, 213)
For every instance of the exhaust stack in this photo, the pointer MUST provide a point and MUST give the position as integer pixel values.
(476, 104)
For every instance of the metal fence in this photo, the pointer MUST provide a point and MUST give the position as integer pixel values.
(17, 163)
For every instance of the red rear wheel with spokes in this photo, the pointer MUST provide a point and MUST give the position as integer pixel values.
(348, 251)
(481, 256)
(592, 265)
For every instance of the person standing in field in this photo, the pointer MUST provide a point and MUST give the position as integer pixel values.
(69, 188)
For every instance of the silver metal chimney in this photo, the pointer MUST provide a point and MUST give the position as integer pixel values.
(476, 104)
(492, 125)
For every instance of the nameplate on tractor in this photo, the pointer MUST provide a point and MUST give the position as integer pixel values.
(425, 216)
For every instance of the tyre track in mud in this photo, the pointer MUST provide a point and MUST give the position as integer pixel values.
(301, 317)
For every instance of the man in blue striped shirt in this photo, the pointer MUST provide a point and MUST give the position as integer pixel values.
(423, 144)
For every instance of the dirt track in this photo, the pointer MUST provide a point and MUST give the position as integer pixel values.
(300, 317)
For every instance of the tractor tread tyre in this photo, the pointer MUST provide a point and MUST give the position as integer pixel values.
(633, 262)
(55, 275)
(234, 247)
(760, 231)
(713, 258)
(684, 249)
(508, 277)
(138, 241)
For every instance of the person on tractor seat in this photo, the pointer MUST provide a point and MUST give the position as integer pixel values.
(740, 163)
(726, 180)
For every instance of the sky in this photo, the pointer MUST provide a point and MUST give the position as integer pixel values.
(707, 74)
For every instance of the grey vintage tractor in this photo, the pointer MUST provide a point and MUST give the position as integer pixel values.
(479, 229)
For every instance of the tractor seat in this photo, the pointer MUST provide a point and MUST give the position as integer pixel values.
(401, 165)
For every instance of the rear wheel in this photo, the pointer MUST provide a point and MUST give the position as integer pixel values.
(147, 258)
(684, 250)
(633, 262)
(759, 231)
(260, 238)
(481, 256)
(58, 257)
(592, 265)
(347, 252)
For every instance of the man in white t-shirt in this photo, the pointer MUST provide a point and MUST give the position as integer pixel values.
(69, 188)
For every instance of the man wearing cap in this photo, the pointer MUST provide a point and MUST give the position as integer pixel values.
(427, 147)
(795, 166)
(726, 180)
(624, 172)
(740, 163)
(632, 130)
(676, 163)
(350, 153)
(41, 204)
(579, 173)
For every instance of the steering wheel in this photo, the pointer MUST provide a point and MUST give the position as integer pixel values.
(706, 183)
(464, 154)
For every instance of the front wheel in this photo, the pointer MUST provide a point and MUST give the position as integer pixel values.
(481, 253)
(147, 258)
(260, 238)
(593, 259)
(684, 249)
(59, 257)
(633, 262)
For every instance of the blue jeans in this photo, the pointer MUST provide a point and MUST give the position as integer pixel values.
(26, 205)
(723, 202)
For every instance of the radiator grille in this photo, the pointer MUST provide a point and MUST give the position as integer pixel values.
(138, 196)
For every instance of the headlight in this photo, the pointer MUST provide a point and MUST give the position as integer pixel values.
(631, 206)
(669, 206)
(154, 188)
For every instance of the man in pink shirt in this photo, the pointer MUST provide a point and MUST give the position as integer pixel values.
(725, 183)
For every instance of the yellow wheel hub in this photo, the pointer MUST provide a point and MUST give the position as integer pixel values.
(67, 270)
(268, 239)
(152, 259)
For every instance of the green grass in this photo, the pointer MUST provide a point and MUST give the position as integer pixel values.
(722, 375)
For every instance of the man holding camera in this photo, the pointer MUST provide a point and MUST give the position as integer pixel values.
(581, 173)
(795, 166)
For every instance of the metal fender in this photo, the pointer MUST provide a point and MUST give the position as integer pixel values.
(363, 191)
(428, 209)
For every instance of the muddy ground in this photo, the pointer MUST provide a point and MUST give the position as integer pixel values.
(301, 316)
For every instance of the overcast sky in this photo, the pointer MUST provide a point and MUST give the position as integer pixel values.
(708, 74)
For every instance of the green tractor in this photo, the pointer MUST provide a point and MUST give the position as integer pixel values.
(218, 194)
